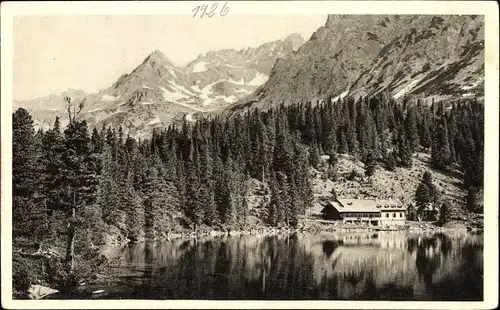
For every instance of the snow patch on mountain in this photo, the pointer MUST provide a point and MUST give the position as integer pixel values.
(190, 118)
(245, 91)
(155, 120)
(406, 89)
(178, 92)
(181, 88)
(108, 98)
(341, 96)
(189, 106)
(200, 67)
(171, 71)
(196, 88)
(230, 99)
(116, 112)
(473, 85)
(259, 79)
(172, 95)
(235, 67)
(240, 82)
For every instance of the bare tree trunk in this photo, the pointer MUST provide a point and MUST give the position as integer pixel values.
(70, 250)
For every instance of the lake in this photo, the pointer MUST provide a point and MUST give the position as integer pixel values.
(326, 266)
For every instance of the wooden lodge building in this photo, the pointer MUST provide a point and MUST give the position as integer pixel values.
(376, 212)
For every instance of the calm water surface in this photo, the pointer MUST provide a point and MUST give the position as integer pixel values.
(362, 266)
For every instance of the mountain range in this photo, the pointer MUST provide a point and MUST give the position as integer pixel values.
(422, 56)
(157, 92)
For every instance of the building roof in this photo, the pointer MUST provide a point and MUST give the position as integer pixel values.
(358, 205)
(390, 204)
(367, 205)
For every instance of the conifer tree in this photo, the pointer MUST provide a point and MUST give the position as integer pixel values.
(411, 129)
(390, 161)
(404, 151)
(444, 212)
(108, 192)
(79, 179)
(370, 165)
(193, 207)
(52, 147)
(425, 132)
(28, 210)
(343, 144)
(441, 155)
(275, 204)
(426, 192)
(134, 210)
(314, 157)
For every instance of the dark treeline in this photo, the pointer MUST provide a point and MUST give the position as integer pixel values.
(197, 172)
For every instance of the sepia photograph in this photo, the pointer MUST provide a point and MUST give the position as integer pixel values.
(254, 151)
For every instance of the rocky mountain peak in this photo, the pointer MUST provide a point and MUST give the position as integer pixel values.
(157, 59)
(295, 39)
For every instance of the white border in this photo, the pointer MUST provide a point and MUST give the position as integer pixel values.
(487, 8)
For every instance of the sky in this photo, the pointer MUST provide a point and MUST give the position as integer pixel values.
(53, 54)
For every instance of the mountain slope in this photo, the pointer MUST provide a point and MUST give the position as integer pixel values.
(45, 109)
(368, 55)
(157, 92)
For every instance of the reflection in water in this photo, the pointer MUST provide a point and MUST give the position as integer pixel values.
(363, 266)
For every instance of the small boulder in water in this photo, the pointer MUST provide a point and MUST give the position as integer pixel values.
(39, 291)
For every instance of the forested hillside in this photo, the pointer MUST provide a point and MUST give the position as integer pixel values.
(199, 172)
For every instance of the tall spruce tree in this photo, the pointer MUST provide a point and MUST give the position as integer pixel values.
(426, 193)
(29, 215)
(79, 180)
(441, 154)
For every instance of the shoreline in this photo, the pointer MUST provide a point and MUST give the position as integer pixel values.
(317, 228)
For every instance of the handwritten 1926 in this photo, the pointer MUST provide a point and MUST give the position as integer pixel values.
(209, 11)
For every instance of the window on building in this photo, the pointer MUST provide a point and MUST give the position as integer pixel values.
(401, 214)
(387, 215)
(394, 215)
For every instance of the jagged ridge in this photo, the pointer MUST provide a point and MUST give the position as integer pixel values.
(368, 55)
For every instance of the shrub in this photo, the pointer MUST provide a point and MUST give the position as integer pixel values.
(48, 271)
(353, 175)
(24, 272)
(474, 200)
(444, 214)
